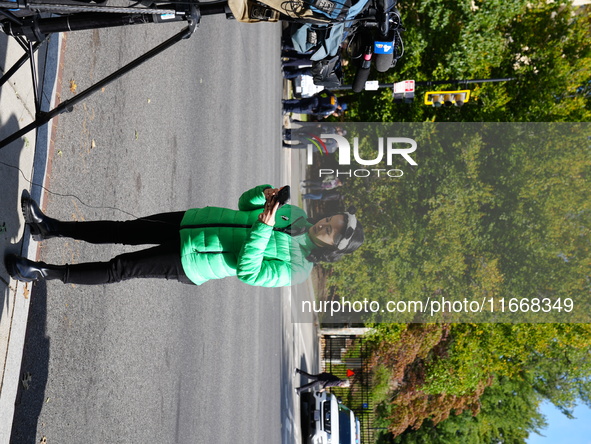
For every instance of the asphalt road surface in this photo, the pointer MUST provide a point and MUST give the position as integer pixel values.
(151, 361)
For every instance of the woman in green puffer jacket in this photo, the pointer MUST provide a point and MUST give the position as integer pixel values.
(261, 243)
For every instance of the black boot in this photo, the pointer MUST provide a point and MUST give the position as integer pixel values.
(25, 270)
(41, 226)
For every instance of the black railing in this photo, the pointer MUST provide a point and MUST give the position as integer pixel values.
(342, 355)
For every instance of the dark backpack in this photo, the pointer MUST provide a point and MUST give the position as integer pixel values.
(333, 9)
(327, 72)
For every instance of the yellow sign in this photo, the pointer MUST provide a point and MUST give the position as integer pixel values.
(447, 98)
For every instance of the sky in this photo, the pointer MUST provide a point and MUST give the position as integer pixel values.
(562, 430)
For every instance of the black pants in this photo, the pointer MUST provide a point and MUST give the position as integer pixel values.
(162, 261)
(315, 381)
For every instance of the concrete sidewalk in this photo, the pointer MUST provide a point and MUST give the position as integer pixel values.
(22, 166)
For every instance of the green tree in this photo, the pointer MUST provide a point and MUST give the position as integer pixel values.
(491, 211)
(440, 371)
(508, 414)
(545, 45)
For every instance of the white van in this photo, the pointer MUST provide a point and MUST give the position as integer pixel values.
(331, 421)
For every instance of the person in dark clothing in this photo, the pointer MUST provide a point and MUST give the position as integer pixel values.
(322, 381)
(322, 105)
(297, 63)
(323, 195)
(321, 185)
(292, 73)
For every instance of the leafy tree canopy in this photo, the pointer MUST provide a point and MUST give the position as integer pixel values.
(544, 45)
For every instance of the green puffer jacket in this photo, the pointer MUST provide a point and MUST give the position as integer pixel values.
(220, 242)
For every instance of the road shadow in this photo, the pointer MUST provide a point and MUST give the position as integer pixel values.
(31, 391)
(10, 224)
(10, 221)
(3, 57)
(305, 400)
(9, 98)
(34, 371)
(295, 407)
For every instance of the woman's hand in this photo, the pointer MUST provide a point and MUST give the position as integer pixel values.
(271, 206)
(270, 192)
(268, 215)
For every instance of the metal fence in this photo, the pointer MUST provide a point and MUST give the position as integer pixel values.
(341, 354)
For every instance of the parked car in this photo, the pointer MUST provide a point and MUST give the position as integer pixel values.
(330, 421)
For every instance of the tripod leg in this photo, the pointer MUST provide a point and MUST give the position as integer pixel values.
(43, 117)
(34, 75)
(19, 63)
